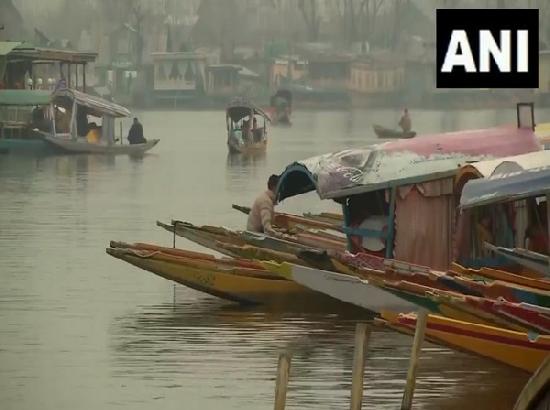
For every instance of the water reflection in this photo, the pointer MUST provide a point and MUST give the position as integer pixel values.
(245, 160)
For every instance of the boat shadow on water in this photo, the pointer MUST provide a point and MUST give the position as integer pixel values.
(245, 160)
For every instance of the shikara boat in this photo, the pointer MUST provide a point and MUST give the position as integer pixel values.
(347, 288)
(280, 108)
(72, 133)
(387, 133)
(237, 280)
(243, 137)
(517, 349)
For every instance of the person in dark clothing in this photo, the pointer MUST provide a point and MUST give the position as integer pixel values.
(135, 136)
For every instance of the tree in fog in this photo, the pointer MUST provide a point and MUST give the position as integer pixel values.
(310, 13)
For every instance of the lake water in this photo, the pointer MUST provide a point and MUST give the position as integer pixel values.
(81, 330)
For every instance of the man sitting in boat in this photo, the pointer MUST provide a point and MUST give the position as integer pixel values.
(405, 122)
(262, 211)
(257, 133)
(135, 135)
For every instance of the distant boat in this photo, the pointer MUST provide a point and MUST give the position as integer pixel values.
(242, 136)
(383, 132)
(280, 108)
(96, 139)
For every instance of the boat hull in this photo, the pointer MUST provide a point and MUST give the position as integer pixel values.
(227, 285)
(237, 148)
(506, 346)
(23, 145)
(346, 288)
(72, 146)
(382, 132)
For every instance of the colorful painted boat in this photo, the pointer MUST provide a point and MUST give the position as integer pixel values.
(513, 348)
(346, 288)
(240, 281)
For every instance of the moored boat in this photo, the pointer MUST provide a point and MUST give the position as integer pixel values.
(347, 288)
(387, 133)
(516, 349)
(243, 136)
(241, 281)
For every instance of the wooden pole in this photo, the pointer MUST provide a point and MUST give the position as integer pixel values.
(283, 371)
(391, 224)
(421, 320)
(362, 335)
(84, 77)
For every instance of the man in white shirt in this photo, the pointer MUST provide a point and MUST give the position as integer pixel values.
(262, 211)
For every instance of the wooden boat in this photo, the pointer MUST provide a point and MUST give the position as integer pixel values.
(513, 348)
(346, 288)
(280, 108)
(84, 147)
(240, 281)
(77, 135)
(382, 132)
(288, 221)
(242, 137)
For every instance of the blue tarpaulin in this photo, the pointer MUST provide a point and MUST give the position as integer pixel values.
(506, 187)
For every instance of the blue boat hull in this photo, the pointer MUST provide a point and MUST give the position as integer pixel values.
(23, 145)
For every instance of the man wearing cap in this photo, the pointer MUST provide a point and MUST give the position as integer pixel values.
(262, 211)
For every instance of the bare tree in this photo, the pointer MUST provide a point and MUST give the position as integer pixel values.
(309, 11)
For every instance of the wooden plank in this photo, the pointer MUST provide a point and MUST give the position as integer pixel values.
(345, 212)
(421, 321)
(534, 388)
(283, 372)
(362, 336)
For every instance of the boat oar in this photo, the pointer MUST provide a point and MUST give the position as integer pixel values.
(243, 209)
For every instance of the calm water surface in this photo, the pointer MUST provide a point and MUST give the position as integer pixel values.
(81, 330)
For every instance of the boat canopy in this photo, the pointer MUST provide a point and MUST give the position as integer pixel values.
(96, 105)
(240, 108)
(506, 187)
(483, 169)
(402, 162)
(24, 97)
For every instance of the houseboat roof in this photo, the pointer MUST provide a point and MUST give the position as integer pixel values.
(25, 97)
(402, 162)
(484, 169)
(96, 105)
(505, 187)
(240, 107)
(28, 51)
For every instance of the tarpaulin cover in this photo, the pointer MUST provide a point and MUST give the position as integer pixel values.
(421, 159)
(505, 187)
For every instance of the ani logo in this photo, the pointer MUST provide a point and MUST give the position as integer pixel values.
(487, 48)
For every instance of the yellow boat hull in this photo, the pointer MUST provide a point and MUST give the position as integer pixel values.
(506, 346)
(245, 288)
